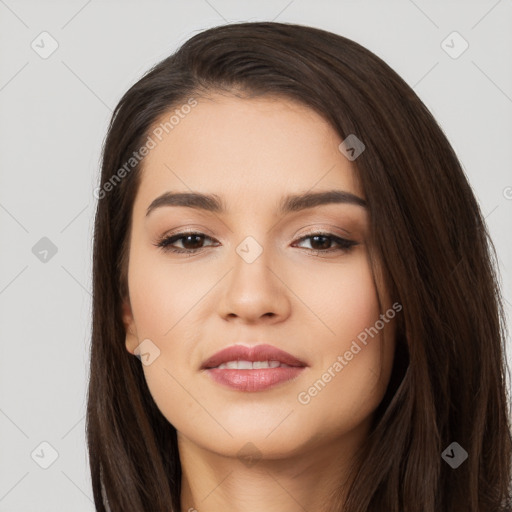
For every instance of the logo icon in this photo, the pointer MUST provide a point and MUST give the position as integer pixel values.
(351, 147)
(454, 45)
(454, 455)
(249, 249)
(249, 454)
(44, 250)
(44, 45)
(147, 352)
(44, 455)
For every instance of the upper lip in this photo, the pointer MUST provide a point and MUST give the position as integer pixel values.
(255, 353)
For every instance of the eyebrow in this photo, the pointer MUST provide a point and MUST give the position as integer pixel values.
(291, 203)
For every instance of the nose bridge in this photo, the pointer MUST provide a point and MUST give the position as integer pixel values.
(252, 263)
(253, 289)
(250, 249)
(251, 234)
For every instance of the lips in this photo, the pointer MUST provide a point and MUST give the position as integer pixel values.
(246, 376)
(255, 353)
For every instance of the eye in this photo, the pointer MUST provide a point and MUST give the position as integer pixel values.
(323, 241)
(191, 240)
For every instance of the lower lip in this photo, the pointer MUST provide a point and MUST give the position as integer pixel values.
(254, 380)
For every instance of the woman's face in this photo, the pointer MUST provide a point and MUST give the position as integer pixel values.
(254, 277)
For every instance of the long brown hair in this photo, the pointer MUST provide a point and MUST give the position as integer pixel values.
(427, 233)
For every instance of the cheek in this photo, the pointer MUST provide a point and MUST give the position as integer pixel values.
(354, 366)
(344, 297)
(166, 302)
(162, 293)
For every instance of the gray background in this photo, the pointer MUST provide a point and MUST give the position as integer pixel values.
(54, 115)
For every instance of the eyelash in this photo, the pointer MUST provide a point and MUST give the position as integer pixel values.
(164, 243)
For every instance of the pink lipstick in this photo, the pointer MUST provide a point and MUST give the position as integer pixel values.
(252, 368)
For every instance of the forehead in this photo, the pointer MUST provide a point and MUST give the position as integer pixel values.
(249, 151)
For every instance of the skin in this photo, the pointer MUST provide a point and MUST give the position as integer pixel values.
(251, 152)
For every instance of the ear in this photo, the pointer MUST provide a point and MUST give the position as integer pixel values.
(132, 340)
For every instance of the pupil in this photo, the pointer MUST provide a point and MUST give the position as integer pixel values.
(324, 245)
(188, 237)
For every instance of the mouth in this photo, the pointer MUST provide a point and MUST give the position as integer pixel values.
(251, 365)
(259, 356)
(252, 368)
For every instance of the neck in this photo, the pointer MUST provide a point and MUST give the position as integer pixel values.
(306, 481)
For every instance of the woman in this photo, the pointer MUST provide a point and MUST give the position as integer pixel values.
(295, 303)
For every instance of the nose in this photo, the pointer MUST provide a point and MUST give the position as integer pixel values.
(255, 290)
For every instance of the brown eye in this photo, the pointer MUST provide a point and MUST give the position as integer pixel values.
(321, 242)
(191, 242)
